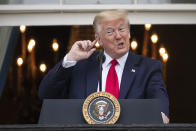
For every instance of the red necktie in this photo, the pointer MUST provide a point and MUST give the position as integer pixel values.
(112, 80)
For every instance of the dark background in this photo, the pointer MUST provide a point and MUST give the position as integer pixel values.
(179, 41)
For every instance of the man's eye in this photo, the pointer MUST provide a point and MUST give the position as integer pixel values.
(121, 29)
(109, 32)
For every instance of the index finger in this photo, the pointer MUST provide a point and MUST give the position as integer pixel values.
(94, 42)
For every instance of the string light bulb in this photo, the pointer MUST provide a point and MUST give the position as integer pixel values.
(162, 51)
(22, 28)
(31, 45)
(19, 61)
(154, 38)
(55, 45)
(165, 57)
(147, 26)
(134, 45)
(42, 67)
(97, 45)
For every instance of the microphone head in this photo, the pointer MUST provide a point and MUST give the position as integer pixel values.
(101, 56)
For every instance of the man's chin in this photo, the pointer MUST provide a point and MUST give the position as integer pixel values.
(122, 50)
(121, 53)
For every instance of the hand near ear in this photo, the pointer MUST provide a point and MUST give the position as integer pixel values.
(81, 50)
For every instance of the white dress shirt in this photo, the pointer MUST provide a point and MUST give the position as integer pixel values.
(67, 64)
(119, 69)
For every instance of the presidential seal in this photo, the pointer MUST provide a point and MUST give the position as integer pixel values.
(101, 108)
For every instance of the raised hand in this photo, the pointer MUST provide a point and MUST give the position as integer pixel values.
(81, 50)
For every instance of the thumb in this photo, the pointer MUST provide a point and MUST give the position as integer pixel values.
(91, 51)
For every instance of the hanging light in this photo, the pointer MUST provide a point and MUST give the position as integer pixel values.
(165, 57)
(154, 38)
(22, 28)
(31, 45)
(134, 45)
(55, 45)
(162, 51)
(42, 67)
(19, 61)
(147, 26)
(97, 45)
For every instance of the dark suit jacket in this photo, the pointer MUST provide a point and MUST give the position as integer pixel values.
(141, 79)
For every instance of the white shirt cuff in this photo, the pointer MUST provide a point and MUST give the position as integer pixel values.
(67, 64)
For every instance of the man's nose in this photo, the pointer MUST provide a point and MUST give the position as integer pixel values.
(117, 34)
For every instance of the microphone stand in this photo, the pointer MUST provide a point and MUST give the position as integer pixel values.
(101, 59)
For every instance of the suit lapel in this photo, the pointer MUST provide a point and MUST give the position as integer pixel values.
(128, 76)
(92, 75)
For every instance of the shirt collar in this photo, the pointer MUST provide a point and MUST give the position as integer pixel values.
(121, 60)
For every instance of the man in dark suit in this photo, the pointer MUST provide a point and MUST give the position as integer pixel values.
(124, 74)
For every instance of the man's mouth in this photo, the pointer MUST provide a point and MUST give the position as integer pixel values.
(120, 45)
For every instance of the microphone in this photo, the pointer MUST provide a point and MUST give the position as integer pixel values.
(100, 59)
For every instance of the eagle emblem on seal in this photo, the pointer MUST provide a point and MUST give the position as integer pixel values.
(101, 110)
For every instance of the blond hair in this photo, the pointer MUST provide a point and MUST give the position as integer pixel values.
(107, 16)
